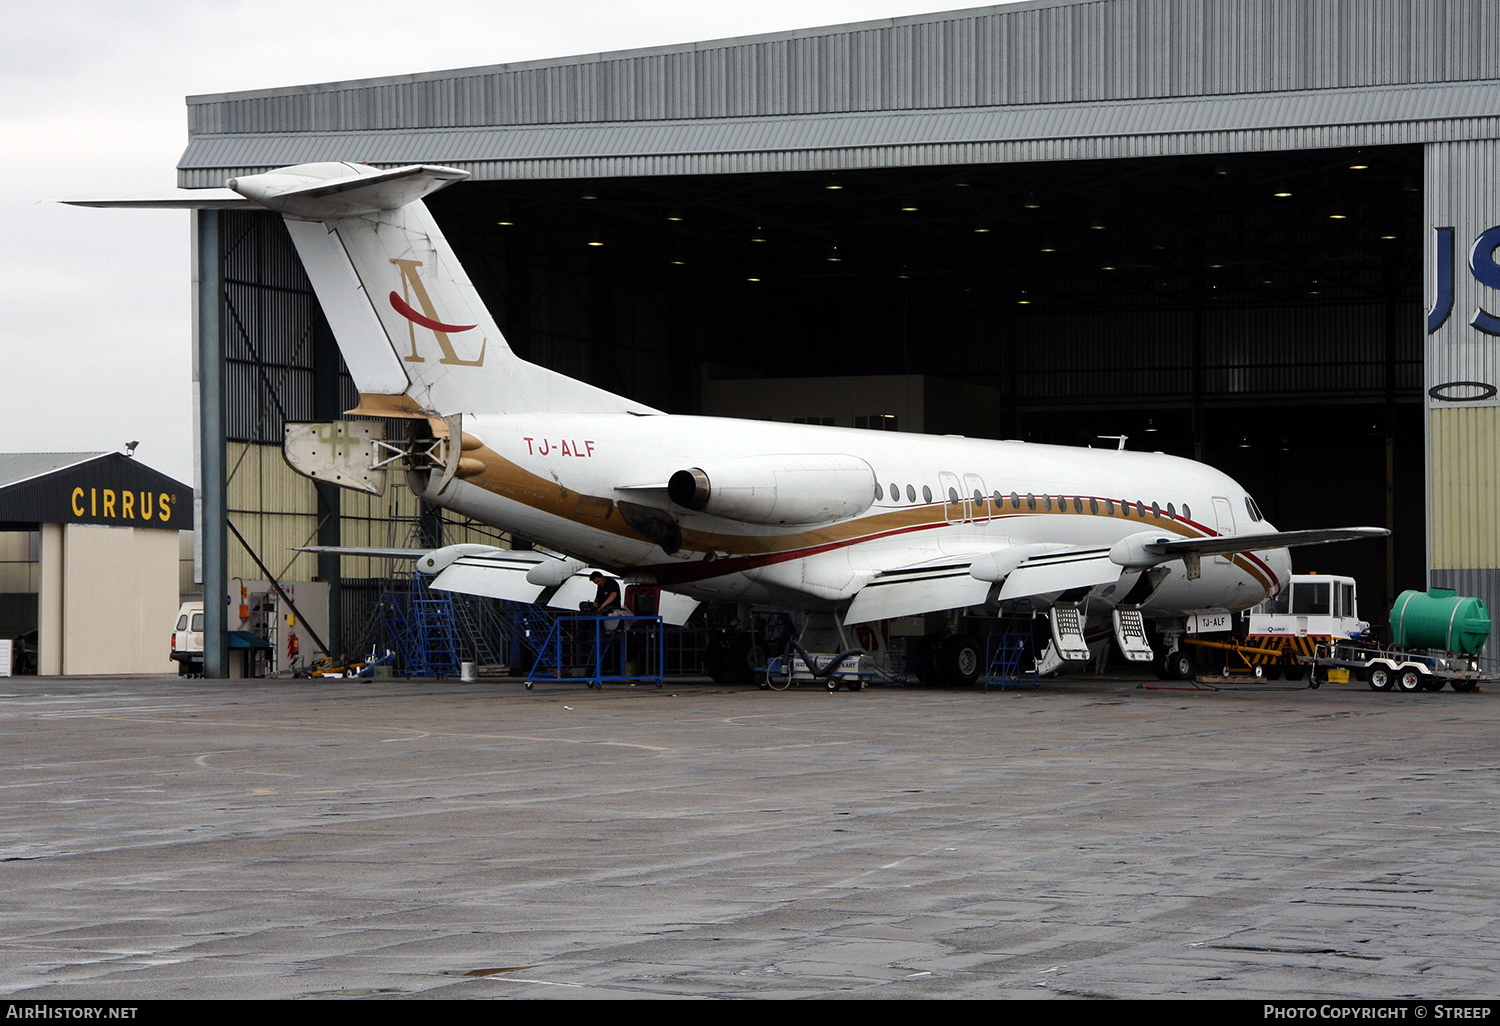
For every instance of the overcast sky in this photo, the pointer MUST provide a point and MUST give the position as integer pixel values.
(96, 334)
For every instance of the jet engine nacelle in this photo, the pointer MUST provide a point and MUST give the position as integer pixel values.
(796, 489)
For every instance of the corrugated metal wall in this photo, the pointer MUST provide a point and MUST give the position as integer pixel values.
(1463, 371)
(1071, 52)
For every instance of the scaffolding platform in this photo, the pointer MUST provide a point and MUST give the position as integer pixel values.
(601, 650)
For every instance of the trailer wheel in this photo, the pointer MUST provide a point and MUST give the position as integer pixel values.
(1380, 678)
(1463, 685)
(1432, 683)
(1259, 671)
(1296, 672)
(1409, 680)
(833, 683)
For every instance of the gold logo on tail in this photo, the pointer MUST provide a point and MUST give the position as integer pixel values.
(411, 285)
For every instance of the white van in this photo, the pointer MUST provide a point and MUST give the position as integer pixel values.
(187, 640)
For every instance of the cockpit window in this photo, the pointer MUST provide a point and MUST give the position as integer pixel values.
(1255, 513)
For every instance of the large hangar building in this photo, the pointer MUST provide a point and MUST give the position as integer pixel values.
(1260, 233)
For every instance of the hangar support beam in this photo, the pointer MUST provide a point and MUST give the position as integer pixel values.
(209, 377)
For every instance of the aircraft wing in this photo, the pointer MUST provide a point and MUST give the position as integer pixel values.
(528, 576)
(1148, 549)
(956, 581)
(372, 551)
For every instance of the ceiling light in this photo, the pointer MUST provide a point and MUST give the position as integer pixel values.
(1031, 202)
(982, 227)
(1097, 226)
(759, 235)
(1283, 194)
(675, 214)
(908, 208)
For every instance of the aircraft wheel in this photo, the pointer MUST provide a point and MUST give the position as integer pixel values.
(745, 658)
(1409, 680)
(1380, 679)
(716, 662)
(1181, 665)
(959, 660)
(1159, 666)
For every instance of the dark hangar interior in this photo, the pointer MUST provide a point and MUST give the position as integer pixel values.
(1260, 311)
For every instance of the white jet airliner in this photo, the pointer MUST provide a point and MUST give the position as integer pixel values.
(863, 525)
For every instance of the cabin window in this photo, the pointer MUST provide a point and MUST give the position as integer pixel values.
(1140, 509)
(1047, 503)
(1109, 507)
(953, 495)
(978, 496)
(926, 494)
(1187, 514)
(1155, 510)
(197, 622)
(998, 501)
(1171, 511)
(911, 494)
(879, 492)
(1030, 501)
(1311, 598)
(1094, 506)
(1015, 500)
(1077, 504)
(895, 492)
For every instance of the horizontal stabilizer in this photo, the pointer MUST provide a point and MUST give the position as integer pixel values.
(183, 199)
(318, 192)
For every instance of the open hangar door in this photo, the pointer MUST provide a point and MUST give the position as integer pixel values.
(1261, 312)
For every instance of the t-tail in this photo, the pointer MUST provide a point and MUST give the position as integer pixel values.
(411, 326)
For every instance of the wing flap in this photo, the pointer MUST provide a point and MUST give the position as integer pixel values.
(501, 577)
(920, 588)
(1060, 571)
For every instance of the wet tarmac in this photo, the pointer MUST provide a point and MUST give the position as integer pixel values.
(1095, 838)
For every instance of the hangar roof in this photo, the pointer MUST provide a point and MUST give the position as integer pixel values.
(16, 467)
(106, 488)
(1045, 80)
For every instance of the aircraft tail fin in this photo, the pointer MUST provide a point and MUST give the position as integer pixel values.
(408, 320)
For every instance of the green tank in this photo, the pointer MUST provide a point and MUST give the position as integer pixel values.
(1439, 618)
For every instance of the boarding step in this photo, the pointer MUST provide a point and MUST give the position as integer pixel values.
(1067, 632)
(1130, 635)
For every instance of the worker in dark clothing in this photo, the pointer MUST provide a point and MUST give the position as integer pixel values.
(607, 597)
